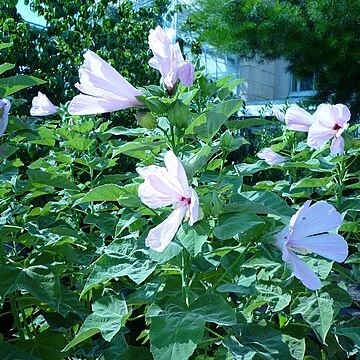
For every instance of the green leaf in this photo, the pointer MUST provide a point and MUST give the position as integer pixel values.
(265, 342)
(178, 114)
(213, 308)
(46, 178)
(11, 352)
(38, 280)
(353, 333)
(317, 310)
(46, 345)
(140, 149)
(5, 45)
(13, 84)
(120, 259)
(6, 67)
(107, 192)
(175, 336)
(108, 316)
(193, 237)
(313, 182)
(247, 123)
(208, 124)
(233, 224)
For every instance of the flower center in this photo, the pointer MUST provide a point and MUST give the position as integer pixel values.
(336, 127)
(185, 201)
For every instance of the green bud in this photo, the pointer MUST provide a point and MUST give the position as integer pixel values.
(146, 120)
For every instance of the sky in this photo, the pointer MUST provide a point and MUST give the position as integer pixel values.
(28, 15)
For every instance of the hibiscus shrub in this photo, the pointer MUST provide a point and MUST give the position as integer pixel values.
(186, 256)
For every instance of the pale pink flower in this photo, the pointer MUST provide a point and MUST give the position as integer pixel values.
(42, 106)
(308, 231)
(165, 186)
(4, 114)
(298, 119)
(104, 88)
(278, 114)
(331, 122)
(271, 157)
(169, 60)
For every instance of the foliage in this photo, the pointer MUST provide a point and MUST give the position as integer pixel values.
(315, 37)
(54, 53)
(78, 281)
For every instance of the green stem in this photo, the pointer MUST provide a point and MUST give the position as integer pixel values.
(185, 270)
(214, 333)
(341, 172)
(236, 263)
(16, 316)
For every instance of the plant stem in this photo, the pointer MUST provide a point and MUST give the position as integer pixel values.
(16, 316)
(185, 269)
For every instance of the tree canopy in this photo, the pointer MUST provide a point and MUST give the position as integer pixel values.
(54, 53)
(318, 37)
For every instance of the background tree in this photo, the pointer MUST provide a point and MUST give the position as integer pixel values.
(318, 37)
(54, 53)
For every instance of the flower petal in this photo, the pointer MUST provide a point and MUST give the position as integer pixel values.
(97, 73)
(298, 119)
(319, 134)
(194, 207)
(4, 114)
(42, 106)
(337, 145)
(158, 190)
(330, 246)
(302, 271)
(160, 236)
(271, 157)
(185, 72)
(177, 171)
(87, 105)
(312, 220)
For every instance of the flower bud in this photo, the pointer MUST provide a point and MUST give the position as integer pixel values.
(146, 120)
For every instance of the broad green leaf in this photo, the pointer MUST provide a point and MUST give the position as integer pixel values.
(140, 149)
(11, 352)
(267, 343)
(13, 84)
(119, 260)
(352, 333)
(317, 310)
(193, 237)
(6, 67)
(5, 45)
(213, 308)
(46, 345)
(120, 130)
(107, 192)
(238, 351)
(197, 162)
(46, 178)
(135, 353)
(208, 124)
(38, 280)
(313, 182)
(247, 123)
(108, 316)
(296, 346)
(232, 224)
(174, 336)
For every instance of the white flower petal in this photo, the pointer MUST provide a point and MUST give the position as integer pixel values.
(312, 220)
(194, 208)
(330, 246)
(303, 272)
(160, 236)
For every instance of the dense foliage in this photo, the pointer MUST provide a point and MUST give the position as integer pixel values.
(118, 33)
(316, 37)
(80, 278)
